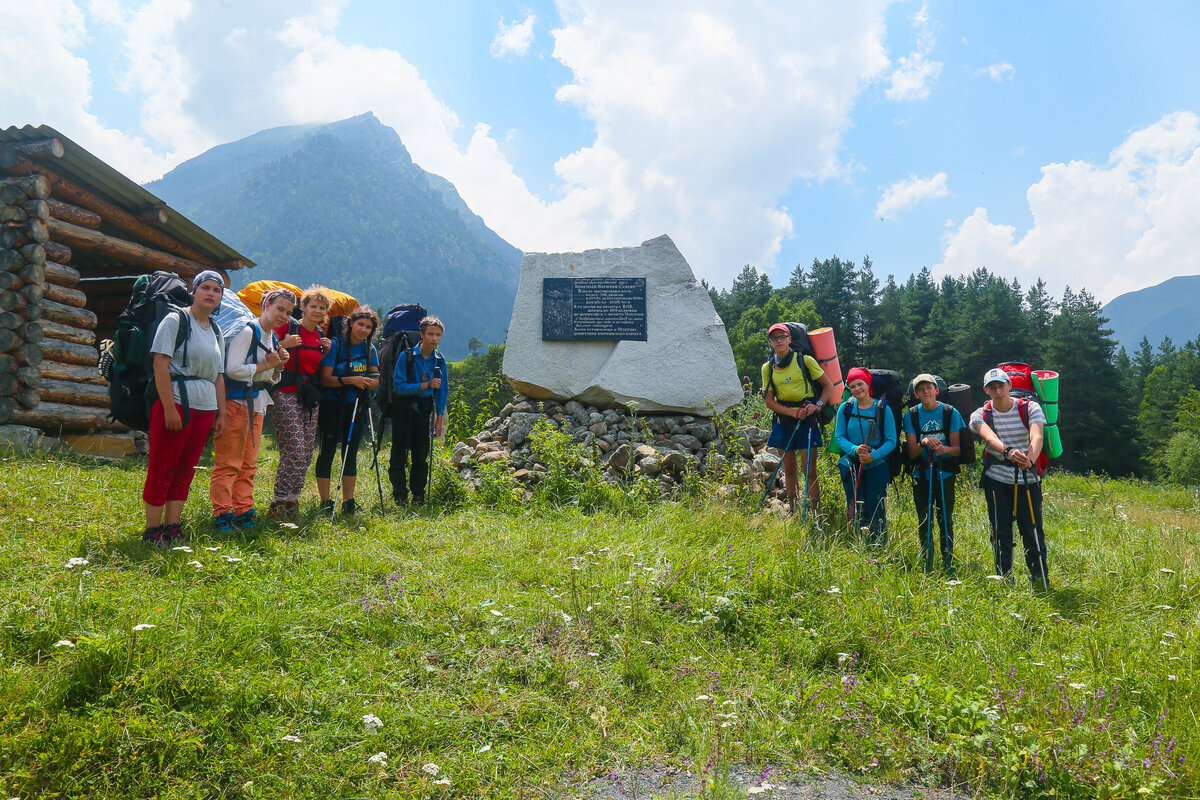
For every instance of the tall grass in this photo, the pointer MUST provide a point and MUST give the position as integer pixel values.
(519, 648)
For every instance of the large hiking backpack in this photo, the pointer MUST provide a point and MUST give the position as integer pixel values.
(1020, 376)
(801, 346)
(401, 333)
(131, 388)
(248, 390)
(887, 385)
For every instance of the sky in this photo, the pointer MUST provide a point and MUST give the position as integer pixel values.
(1047, 140)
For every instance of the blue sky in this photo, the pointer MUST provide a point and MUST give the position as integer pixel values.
(1053, 140)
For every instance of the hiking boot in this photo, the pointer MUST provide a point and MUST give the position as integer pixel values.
(349, 507)
(400, 499)
(327, 507)
(246, 519)
(278, 511)
(293, 511)
(172, 533)
(418, 500)
(223, 522)
(153, 535)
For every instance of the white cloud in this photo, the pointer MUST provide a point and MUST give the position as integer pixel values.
(704, 114)
(903, 195)
(997, 72)
(915, 72)
(1109, 228)
(514, 39)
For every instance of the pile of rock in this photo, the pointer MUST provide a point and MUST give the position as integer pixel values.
(624, 446)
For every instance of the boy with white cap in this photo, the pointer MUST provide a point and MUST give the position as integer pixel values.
(1012, 432)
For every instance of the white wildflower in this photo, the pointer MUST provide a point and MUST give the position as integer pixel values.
(231, 559)
(372, 723)
(442, 782)
(762, 787)
(64, 643)
(431, 768)
(994, 577)
(722, 601)
(1169, 635)
(1172, 677)
(1166, 571)
(833, 590)
(651, 644)
(567, 617)
(290, 525)
(955, 582)
(195, 564)
(212, 549)
(76, 562)
(1077, 685)
(496, 613)
(593, 655)
(1163, 608)
(703, 697)
(183, 548)
(573, 685)
(483, 749)
(145, 626)
(1015, 614)
(378, 761)
(291, 738)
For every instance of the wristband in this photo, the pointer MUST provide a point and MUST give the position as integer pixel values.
(1008, 450)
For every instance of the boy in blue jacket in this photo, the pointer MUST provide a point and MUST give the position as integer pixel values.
(420, 387)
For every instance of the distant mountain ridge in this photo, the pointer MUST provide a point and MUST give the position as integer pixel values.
(1172, 308)
(344, 205)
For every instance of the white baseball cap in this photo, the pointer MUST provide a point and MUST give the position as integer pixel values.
(996, 374)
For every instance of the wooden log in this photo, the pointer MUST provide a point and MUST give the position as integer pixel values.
(28, 355)
(28, 376)
(96, 242)
(37, 208)
(58, 371)
(7, 406)
(9, 339)
(69, 212)
(26, 398)
(9, 259)
(32, 312)
(36, 253)
(56, 251)
(154, 216)
(8, 384)
(9, 301)
(31, 332)
(83, 394)
(12, 238)
(64, 189)
(29, 274)
(32, 292)
(13, 215)
(69, 315)
(10, 320)
(102, 445)
(38, 230)
(70, 352)
(35, 148)
(61, 294)
(68, 333)
(52, 416)
(8, 281)
(26, 186)
(7, 363)
(61, 274)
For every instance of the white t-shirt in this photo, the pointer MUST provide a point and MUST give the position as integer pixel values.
(1008, 426)
(236, 368)
(201, 356)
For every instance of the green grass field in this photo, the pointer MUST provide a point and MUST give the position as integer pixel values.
(520, 647)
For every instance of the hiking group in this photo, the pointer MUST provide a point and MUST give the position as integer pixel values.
(936, 440)
(176, 375)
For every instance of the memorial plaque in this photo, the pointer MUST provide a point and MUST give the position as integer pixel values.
(594, 308)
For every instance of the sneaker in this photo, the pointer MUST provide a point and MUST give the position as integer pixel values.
(349, 507)
(400, 499)
(153, 535)
(172, 533)
(327, 507)
(223, 522)
(418, 499)
(246, 519)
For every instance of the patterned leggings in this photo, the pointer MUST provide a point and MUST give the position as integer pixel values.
(296, 435)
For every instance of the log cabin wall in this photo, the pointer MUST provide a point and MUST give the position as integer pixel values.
(69, 256)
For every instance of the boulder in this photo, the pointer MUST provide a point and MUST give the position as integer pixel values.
(684, 365)
(619, 458)
(18, 439)
(519, 425)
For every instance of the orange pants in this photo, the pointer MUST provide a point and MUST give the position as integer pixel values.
(235, 460)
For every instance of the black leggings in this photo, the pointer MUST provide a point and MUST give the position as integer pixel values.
(333, 423)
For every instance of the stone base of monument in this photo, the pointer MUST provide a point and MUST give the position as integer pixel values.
(665, 448)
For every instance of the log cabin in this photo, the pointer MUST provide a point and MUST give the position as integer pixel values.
(74, 236)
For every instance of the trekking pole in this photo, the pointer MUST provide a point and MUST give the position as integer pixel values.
(375, 443)
(946, 545)
(929, 518)
(775, 474)
(858, 512)
(429, 470)
(807, 470)
(345, 446)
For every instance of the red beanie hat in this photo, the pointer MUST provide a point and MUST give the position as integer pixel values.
(859, 374)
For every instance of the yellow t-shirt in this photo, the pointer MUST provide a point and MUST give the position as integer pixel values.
(790, 386)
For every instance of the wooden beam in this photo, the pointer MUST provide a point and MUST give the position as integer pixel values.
(68, 333)
(96, 242)
(84, 394)
(58, 371)
(52, 416)
(56, 251)
(63, 189)
(69, 315)
(154, 216)
(36, 148)
(73, 214)
(61, 274)
(28, 376)
(70, 297)
(69, 352)
(26, 186)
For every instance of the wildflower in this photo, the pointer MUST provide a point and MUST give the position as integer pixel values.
(722, 601)
(378, 761)
(647, 643)
(567, 617)
(994, 577)
(432, 769)
(1166, 571)
(145, 626)
(484, 749)
(291, 525)
(231, 559)
(64, 643)
(833, 590)
(1169, 635)
(195, 564)
(703, 697)
(183, 548)
(372, 723)
(291, 738)
(955, 582)
(213, 549)
(442, 782)
(496, 613)
(573, 685)
(1077, 685)
(1172, 677)
(76, 562)
(1163, 608)
(593, 655)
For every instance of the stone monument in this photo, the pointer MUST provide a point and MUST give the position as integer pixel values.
(668, 351)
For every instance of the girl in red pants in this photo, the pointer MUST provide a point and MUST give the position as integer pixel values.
(190, 405)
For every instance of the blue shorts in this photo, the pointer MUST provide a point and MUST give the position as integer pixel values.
(808, 435)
